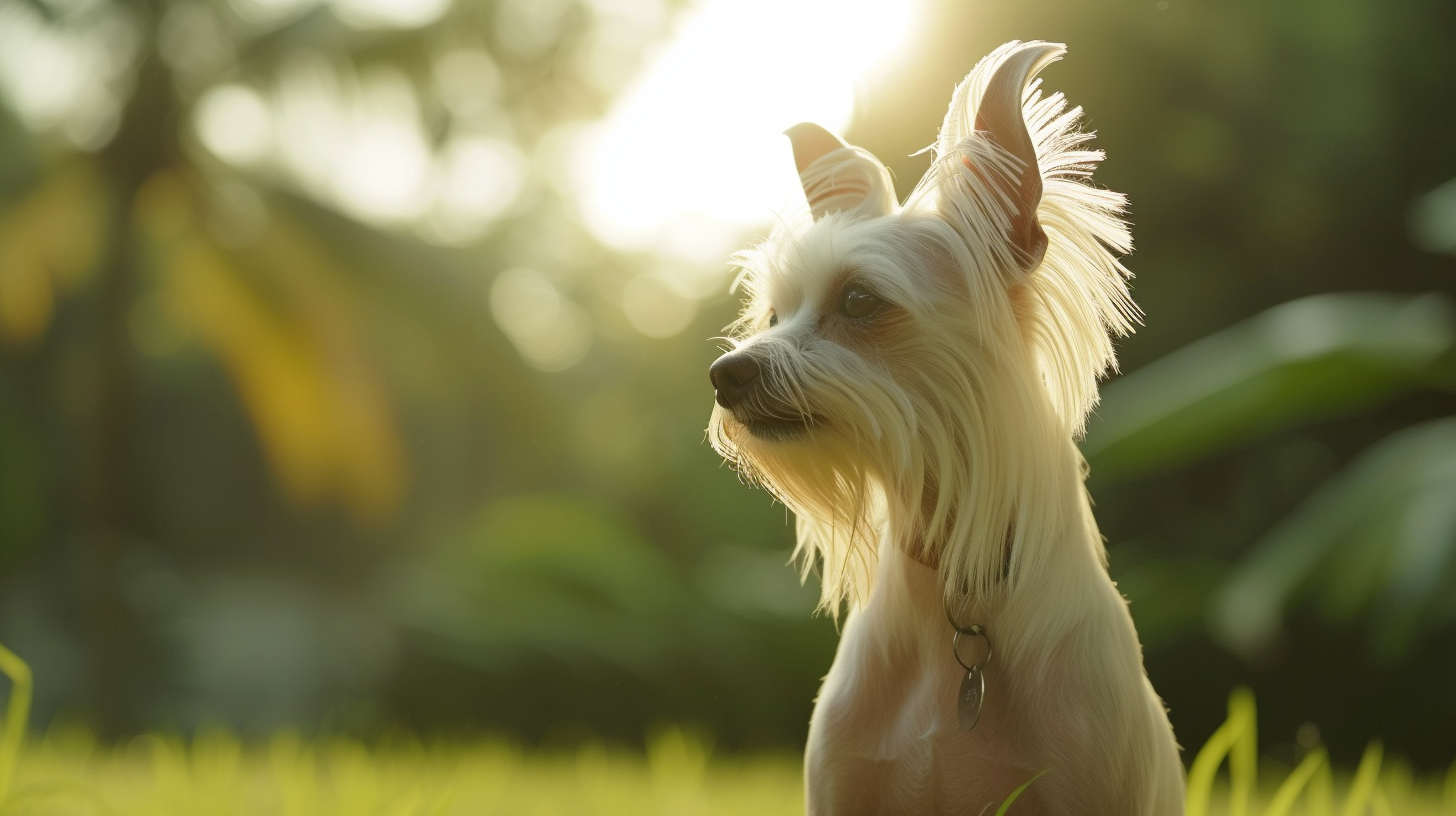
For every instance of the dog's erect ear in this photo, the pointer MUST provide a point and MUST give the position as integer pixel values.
(811, 143)
(992, 98)
(999, 115)
(838, 177)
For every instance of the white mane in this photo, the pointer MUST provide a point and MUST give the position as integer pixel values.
(965, 456)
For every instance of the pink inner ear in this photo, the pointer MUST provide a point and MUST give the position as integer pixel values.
(1030, 238)
(1017, 218)
(1001, 118)
(837, 177)
(811, 143)
(846, 190)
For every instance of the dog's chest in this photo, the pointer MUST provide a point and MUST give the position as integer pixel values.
(886, 737)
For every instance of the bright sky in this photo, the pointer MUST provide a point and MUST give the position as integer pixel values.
(691, 154)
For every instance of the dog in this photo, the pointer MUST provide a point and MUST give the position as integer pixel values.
(910, 380)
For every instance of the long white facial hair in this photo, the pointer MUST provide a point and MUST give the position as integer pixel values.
(953, 440)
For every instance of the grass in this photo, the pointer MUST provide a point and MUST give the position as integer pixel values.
(67, 772)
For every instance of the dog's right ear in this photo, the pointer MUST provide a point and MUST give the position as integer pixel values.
(999, 115)
(837, 177)
(989, 108)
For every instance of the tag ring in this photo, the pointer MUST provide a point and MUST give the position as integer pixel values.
(972, 630)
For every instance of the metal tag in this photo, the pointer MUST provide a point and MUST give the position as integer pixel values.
(973, 693)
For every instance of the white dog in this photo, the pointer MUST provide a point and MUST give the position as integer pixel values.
(910, 380)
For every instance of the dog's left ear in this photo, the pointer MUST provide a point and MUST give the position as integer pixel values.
(838, 177)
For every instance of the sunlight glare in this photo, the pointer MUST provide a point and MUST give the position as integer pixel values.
(45, 70)
(696, 138)
(66, 77)
(381, 173)
(311, 122)
(234, 122)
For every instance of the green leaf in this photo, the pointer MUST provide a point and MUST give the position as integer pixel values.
(1379, 538)
(1314, 358)
(1016, 794)
(17, 716)
(1433, 220)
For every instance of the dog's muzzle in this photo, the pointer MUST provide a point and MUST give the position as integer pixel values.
(739, 386)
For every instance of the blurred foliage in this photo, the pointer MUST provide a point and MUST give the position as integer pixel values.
(548, 574)
(1372, 789)
(1315, 358)
(1374, 545)
(1379, 538)
(278, 448)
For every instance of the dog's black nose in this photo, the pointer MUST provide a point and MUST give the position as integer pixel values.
(732, 374)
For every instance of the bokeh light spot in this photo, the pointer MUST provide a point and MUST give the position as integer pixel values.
(476, 180)
(235, 124)
(390, 13)
(655, 309)
(382, 172)
(551, 332)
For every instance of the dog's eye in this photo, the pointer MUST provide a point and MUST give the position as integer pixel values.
(773, 319)
(859, 302)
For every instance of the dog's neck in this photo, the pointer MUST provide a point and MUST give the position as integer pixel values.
(1009, 514)
(1045, 553)
(927, 554)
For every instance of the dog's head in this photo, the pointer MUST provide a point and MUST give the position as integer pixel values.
(903, 366)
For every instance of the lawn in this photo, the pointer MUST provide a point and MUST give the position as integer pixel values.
(66, 771)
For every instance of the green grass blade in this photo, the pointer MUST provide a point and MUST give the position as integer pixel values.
(1366, 775)
(1006, 805)
(1294, 784)
(1244, 753)
(1381, 805)
(1321, 797)
(17, 715)
(1205, 765)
